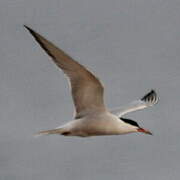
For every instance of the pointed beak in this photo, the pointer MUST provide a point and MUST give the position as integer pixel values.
(145, 131)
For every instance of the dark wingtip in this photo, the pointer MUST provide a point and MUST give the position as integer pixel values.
(29, 29)
(150, 97)
(147, 95)
(39, 38)
(26, 27)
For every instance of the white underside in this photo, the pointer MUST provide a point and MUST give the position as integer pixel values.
(97, 124)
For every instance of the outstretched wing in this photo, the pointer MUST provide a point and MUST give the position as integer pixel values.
(148, 100)
(87, 91)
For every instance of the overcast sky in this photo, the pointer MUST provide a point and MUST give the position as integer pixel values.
(133, 46)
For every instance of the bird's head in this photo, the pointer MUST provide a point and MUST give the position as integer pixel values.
(136, 126)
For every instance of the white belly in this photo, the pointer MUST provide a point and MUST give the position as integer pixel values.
(94, 125)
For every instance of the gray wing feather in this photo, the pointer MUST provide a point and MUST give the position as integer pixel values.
(86, 89)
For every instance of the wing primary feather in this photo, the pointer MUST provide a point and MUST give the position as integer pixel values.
(150, 97)
(40, 43)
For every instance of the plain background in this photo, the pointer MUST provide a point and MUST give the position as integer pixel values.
(131, 45)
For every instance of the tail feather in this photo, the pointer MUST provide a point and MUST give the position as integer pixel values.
(48, 132)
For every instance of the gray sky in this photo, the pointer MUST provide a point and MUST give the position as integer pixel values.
(131, 45)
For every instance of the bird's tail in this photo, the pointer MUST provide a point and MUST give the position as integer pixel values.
(48, 132)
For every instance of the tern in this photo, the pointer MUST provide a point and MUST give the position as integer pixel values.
(92, 117)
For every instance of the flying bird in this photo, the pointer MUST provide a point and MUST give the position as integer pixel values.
(92, 117)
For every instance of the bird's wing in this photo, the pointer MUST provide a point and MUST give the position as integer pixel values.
(148, 100)
(87, 90)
